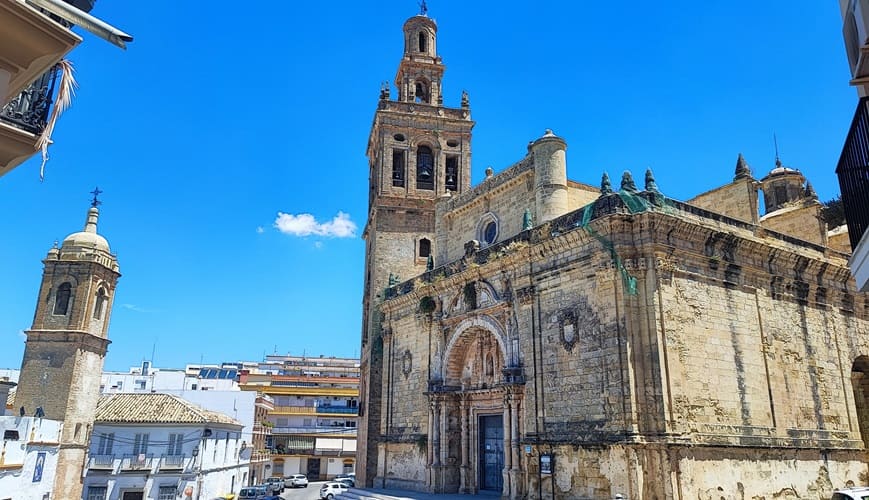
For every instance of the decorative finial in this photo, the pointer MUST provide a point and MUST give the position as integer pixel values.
(429, 264)
(384, 90)
(651, 185)
(423, 9)
(527, 220)
(742, 169)
(628, 182)
(489, 172)
(810, 191)
(95, 202)
(606, 186)
(466, 100)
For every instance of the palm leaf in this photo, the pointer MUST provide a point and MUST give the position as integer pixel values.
(65, 94)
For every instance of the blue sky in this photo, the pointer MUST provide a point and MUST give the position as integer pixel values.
(230, 142)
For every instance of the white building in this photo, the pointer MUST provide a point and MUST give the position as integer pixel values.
(146, 378)
(28, 458)
(159, 446)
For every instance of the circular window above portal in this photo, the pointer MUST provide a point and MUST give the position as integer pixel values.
(452, 143)
(398, 137)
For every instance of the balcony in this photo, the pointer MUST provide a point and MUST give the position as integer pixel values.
(30, 46)
(137, 463)
(343, 431)
(172, 463)
(316, 410)
(260, 456)
(853, 173)
(102, 463)
(262, 429)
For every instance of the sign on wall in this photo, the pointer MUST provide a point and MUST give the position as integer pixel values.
(546, 463)
(40, 464)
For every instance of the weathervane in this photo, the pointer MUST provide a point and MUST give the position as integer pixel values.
(423, 10)
(96, 192)
(775, 142)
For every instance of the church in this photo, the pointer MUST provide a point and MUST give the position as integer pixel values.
(537, 337)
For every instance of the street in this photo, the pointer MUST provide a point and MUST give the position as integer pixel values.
(312, 492)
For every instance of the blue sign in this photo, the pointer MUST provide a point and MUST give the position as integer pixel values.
(37, 470)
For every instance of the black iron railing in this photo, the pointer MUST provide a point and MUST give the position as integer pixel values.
(853, 172)
(29, 109)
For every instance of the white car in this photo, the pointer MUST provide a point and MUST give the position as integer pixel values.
(857, 493)
(330, 489)
(296, 481)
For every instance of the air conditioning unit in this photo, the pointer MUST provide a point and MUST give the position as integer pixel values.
(856, 34)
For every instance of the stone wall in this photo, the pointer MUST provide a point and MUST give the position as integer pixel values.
(737, 200)
(802, 222)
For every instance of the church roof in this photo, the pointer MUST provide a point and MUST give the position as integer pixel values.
(155, 408)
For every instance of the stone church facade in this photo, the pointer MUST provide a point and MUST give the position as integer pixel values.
(545, 338)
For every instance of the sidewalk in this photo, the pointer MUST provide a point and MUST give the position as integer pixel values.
(383, 494)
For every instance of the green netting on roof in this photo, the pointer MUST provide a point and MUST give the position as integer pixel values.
(635, 204)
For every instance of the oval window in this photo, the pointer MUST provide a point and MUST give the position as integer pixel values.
(398, 137)
(490, 232)
(452, 143)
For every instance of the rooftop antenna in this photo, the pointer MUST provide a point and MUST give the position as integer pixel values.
(775, 142)
(153, 350)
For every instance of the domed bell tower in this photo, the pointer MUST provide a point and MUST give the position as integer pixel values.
(66, 346)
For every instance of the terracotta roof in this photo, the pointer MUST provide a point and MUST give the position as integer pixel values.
(155, 408)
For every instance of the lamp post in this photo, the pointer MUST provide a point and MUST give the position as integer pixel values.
(198, 469)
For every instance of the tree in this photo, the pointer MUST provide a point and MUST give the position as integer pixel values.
(833, 213)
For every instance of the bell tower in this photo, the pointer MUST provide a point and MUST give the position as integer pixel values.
(419, 151)
(66, 346)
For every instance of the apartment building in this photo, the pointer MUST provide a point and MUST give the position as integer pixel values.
(312, 426)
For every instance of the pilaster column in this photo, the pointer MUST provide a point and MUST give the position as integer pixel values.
(436, 431)
(514, 447)
(508, 456)
(463, 409)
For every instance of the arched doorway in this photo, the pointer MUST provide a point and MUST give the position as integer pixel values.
(472, 416)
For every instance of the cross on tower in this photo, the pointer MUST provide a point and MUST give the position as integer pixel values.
(95, 202)
(423, 9)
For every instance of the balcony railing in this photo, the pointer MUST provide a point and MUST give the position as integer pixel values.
(260, 456)
(312, 410)
(346, 431)
(102, 462)
(136, 462)
(29, 109)
(853, 173)
(172, 462)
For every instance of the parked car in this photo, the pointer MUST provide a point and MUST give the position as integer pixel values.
(346, 480)
(855, 493)
(331, 489)
(252, 493)
(296, 481)
(276, 484)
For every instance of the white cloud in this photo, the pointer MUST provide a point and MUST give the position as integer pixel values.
(259, 230)
(306, 225)
(134, 307)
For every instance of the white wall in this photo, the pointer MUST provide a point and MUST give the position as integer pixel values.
(36, 436)
(218, 469)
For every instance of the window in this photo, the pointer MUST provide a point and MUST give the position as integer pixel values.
(99, 304)
(421, 91)
(166, 493)
(452, 173)
(424, 248)
(306, 422)
(490, 232)
(350, 423)
(398, 168)
(61, 299)
(140, 385)
(97, 493)
(423, 41)
(105, 443)
(175, 443)
(10, 435)
(140, 444)
(424, 168)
